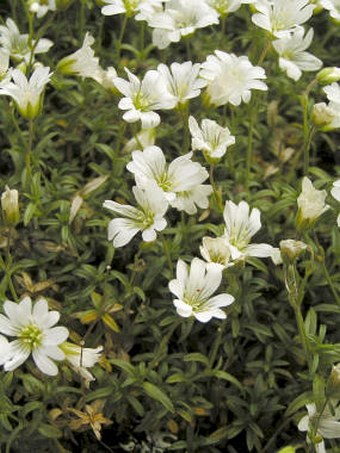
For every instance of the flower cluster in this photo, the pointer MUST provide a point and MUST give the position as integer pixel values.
(35, 333)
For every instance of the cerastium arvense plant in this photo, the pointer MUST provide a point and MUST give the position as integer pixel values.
(169, 236)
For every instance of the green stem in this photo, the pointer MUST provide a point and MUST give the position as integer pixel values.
(28, 157)
(249, 152)
(295, 301)
(216, 345)
(121, 35)
(167, 253)
(264, 52)
(325, 270)
(217, 195)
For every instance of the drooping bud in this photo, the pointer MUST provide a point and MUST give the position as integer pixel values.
(328, 75)
(291, 250)
(10, 206)
(311, 204)
(322, 115)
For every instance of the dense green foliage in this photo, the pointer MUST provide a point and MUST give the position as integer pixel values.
(233, 385)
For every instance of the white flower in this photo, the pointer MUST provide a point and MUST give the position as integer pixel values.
(190, 199)
(41, 7)
(17, 45)
(131, 7)
(293, 58)
(211, 138)
(333, 92)
(180, 18)
(10, 206)
(333, 95)
(4, 350)
(333, 6)
(142, 98)
(179, 180)
(336, 190)
(182, 80)
(4, 65)
(311, 204)
(336, 194)
(81, 359)
(324, 117)
(35, 335)
(224, 7)
(194, 290)
(328, 426)
(231, 78)
(241, 225)
(27, 94)
(144, 138)
(216, 252)
(328, 75)
(279, 16)
(84, 63)
(148, 219)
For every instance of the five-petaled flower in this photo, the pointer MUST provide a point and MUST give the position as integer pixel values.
(35, 334)
(194, 290)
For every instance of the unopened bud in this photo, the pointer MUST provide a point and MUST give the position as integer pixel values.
(311, 205)
(328, 75)
(333, 385)
(291, 250)
(288, 449)
(322, 115)
(10, 206)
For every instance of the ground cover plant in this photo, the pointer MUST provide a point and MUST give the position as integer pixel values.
(169, 231)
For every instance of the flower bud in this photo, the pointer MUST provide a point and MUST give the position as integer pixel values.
(10, 206)
(328, 75)
(322, 115)
(333, 385)
(291, 250)
(311, 204)
(288, 449)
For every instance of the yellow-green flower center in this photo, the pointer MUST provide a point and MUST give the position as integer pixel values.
(31, 335)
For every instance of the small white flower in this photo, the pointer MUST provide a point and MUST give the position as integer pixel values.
(41, 7)
(180, 18)
(182, 80)
(241, 226)
(311, 204)
(84, 64)
(179, 180)
(144, 139)
(35, 335)
(148, 219)
(81, 359)
(293, 58)
(333, 95)
(142, 98)
(4, 65)
(231, 78)
(336, 190)
(27, 94)
(280, 16)
(211, 138)
(81, 62)
(333, 92)
(17, 45)
(216, 252)
(333, 6)
(131, 7)
(10, 206)
(336, 194)
(328, 426)
(224, 7)
(194, 290)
